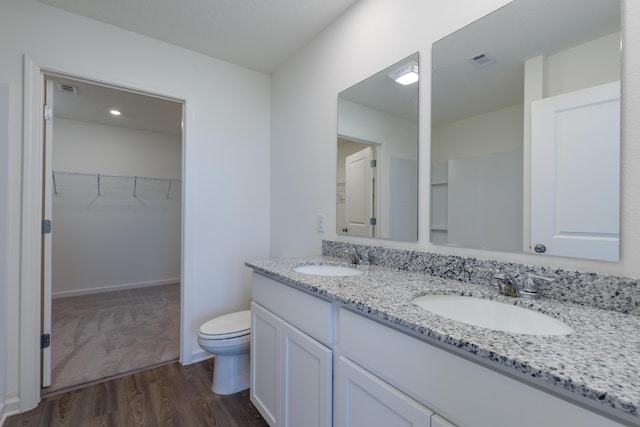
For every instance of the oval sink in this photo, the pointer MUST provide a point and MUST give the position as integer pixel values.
(493, 315)
(327, 270)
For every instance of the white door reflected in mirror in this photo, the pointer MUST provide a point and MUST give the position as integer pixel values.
(575, 173)
(360, 193)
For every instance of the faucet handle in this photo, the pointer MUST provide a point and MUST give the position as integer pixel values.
(531, 285)
(500, 275)
(534, 278)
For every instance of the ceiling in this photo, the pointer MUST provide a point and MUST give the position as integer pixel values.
(263, 34)
(514, 33)
(91, 103)
(257, 34)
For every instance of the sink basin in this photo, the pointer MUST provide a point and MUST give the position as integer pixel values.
(327, 270)
(493, 315)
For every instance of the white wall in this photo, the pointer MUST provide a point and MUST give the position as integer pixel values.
(4, 166)
(485, 201)
(489, 133)
(371, 35)
(366, 124)
(396, 139)
(114, 240)
(485, 188)
(226, 162)
(589, 64)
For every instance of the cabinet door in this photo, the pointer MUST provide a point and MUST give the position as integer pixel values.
(306, 376)
(362, 400)
(265, 363)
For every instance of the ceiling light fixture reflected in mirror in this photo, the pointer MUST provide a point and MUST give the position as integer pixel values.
(406, 75)
(115, 112)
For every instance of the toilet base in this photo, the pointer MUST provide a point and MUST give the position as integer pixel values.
(230, 373)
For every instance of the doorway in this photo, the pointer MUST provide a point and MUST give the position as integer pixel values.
(113, 184)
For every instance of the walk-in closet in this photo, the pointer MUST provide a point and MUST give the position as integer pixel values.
(115, 168)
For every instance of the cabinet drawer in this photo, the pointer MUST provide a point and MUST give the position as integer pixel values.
(310, 314)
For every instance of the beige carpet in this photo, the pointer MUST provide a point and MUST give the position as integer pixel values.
(105, 335)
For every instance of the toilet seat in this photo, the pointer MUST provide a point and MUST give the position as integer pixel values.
(230, 325)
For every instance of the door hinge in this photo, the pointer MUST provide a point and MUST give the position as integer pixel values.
(47, 113)
(374, 163)
(45, 341)
(372, 221)
(46, 226)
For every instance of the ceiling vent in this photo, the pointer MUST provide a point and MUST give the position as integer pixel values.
(482, 60)
(67, 88)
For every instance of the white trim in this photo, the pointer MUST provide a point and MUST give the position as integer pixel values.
(186, 262)
(11, 407)
(30, 255)
(110, 288)
(201, 355)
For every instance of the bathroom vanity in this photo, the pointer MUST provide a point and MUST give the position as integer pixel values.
(354, 351)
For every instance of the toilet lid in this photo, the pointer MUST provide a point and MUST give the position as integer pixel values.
(228, 326)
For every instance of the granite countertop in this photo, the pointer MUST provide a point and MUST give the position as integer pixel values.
(600, 361)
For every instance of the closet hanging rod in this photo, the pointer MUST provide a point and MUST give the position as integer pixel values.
(107, 175)
(98, 176)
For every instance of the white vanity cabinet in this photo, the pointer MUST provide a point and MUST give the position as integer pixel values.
(463, 392)
(291, 358)
(371, 374)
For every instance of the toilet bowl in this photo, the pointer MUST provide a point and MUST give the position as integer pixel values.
(228, 337)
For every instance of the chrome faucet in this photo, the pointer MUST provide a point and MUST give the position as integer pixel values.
(358, 258)
(508, 286)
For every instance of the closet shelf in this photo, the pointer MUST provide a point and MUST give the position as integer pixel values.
(107, 183)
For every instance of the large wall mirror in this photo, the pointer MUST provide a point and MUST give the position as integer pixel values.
(525, 138)
(377, 185)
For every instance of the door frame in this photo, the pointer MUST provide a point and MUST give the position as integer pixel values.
(381, 203)
(34, 71)
(369, 190)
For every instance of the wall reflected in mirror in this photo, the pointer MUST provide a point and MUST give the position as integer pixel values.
(377, 161)
(525, 130)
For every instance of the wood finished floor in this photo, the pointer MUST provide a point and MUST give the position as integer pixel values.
(170, 395)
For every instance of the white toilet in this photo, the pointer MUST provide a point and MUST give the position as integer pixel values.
(228, 338)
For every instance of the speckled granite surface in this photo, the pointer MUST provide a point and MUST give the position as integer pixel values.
(598, 290)
(599, 363)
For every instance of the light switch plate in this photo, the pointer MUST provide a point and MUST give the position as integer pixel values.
(320, 223)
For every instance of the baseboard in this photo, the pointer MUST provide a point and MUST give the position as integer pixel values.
(199, 356)
(10, 407)
(110, 288)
